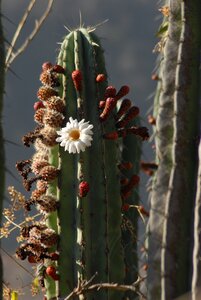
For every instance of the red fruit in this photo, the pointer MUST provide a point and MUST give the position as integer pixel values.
(100, 78)
(58, 69)
(110, 91)
(83, 189)
(131, 114)
(154, 77)
(54, 256)
(110, 104)
(143, 211)
(125, 105)
(32, 259)
(125, 207)
(111, 136)
(46, 66)
(124, 90)
(51, 271)
(102, 104)
(77, 79)
(38, 105)
(151, 120)
(125, 165)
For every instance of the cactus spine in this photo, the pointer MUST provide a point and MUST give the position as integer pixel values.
(174, 189)
(85, 223)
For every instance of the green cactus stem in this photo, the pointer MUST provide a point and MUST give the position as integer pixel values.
(2, 153)
(98, 215)
(176, 263)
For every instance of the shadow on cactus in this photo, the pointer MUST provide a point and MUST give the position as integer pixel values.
(87, 145)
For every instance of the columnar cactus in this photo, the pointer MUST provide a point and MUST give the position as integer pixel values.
(84, 184)
(177, 138)
(2, 154)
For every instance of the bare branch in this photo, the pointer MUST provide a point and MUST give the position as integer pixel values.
(85, 287)
(38, 25)
(19, 28)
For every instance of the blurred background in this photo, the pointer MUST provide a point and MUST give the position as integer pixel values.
(128, 38)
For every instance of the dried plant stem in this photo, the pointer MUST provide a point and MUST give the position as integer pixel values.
(86, 286)
(11, 55)
(19, 28)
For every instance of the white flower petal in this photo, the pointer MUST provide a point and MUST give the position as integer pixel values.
(74, 144)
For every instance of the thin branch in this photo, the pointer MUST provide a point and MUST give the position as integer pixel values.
(38, 25)
(19, 29)
(85, 287)
(21, 266)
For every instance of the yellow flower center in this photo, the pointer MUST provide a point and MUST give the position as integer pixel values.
(74, 134)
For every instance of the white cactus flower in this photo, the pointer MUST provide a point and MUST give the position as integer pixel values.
(76, 136)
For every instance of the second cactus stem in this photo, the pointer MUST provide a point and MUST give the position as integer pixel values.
(85, 165)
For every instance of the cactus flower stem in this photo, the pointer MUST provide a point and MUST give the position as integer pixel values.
(176, 263)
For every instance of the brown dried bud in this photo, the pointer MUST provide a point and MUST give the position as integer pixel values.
(36, 194)
(42, 185)
(47, 203)
(47, 237)
(37, 165)
(50, 79)
(44, 93)
(49, 173)
(53, 118)
(39, 114)
(49, 136)
(56, 103)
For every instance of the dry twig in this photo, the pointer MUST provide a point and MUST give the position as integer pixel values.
(86, 286)
(11, 55)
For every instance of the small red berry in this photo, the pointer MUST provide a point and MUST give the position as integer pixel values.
(46, 66)
(100, 78)
(51, 271)
(102, 104)
(38, 105)
(83, 189)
